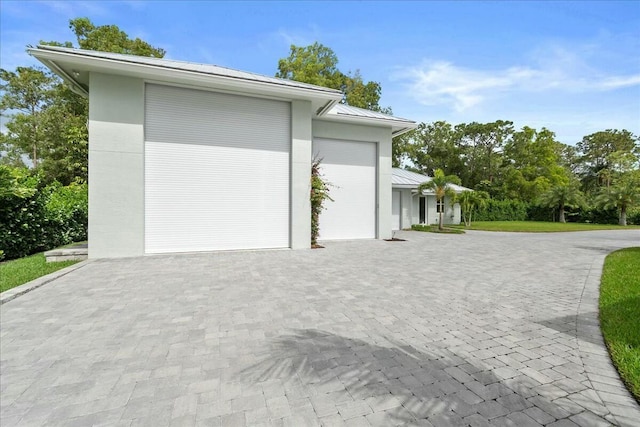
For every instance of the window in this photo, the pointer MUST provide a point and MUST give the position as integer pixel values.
(440, 206)
(423, 210)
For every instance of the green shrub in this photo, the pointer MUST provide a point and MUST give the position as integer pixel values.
(23, 220)
(633, 216)
(503, 210)
(67, 209)
(42, 218)
(595, 215)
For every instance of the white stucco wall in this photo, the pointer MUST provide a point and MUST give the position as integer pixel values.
(116, 166)
(406, 206)
(382, 137)
(451, 215)
(301, 154)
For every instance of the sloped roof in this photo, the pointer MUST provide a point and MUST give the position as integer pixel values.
(75, 65)
(401, 178)
(347, 112)
(210, 69)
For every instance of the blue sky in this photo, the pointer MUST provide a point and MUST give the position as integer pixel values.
(573, 67)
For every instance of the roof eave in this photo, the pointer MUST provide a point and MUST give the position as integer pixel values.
(52, 59)
(398, 127)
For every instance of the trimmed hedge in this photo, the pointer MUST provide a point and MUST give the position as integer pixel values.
(51, 216)
(502, 210)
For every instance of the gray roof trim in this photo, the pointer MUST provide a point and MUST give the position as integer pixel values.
(401, 178)
(215, 70)
(347, 113)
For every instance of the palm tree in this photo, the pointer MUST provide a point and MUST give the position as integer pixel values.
(624, 195)
(440, 184)
(562, 196)
(469, 202)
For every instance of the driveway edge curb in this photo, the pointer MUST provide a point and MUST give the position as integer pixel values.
(602, 374)
(14, 293)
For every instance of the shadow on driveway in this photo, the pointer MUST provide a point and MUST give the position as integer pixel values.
(397, 384)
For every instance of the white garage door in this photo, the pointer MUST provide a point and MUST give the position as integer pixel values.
(216, 171)
(395, 210)
(351, 169)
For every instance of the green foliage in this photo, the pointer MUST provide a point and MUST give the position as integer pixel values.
(562, 196)
(623, 195)
(620, 313)
(319, 194)
(47, 121)
(470, 201)
(503, 210)
(12, 182)
(68, 208)
(318, 65)
(440, 184)
(633, 216)
(26, 95)
(606, 155)
(107, 38)
(42, 217)
(17, 272)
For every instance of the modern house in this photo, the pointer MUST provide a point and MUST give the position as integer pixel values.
(188, 157)
(409, 207)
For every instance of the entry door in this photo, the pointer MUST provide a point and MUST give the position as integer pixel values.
(350, 169)
(395, 210)
(423, 210)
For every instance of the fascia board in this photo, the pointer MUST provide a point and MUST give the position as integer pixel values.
(144, 71)
(401, 126)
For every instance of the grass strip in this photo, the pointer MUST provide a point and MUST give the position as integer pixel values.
(620, 314)
(541, 226)
(19, 271)
(435, 229)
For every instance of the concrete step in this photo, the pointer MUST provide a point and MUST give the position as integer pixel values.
(77, 252)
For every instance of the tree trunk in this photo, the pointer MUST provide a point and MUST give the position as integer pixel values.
(561, 219)
(440, 224)
(623, 216)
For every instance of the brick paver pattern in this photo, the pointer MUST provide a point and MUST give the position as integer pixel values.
(481, 329)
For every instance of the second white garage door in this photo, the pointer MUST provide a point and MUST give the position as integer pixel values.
(351, 169)
(216, 171)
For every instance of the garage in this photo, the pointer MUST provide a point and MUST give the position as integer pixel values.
(217, 171)
(188, 157)
(350, 168)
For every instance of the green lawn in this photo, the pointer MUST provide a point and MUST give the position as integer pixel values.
(18, 271)
(541, 227)
(620, 313)
(435, 229)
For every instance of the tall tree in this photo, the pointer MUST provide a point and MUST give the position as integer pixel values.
(436, 146)
(318, 64)
(604, 153)
(532, 164)
(482, 144)
(561, 197)
(47, 121)
(107, 38)
(623, 195)
(440, 184)
(27, 93)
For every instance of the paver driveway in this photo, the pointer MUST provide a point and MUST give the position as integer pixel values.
(476, 329)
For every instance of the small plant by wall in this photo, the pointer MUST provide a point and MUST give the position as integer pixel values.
(319, 194)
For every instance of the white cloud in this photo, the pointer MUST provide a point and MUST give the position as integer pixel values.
(444, 83)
